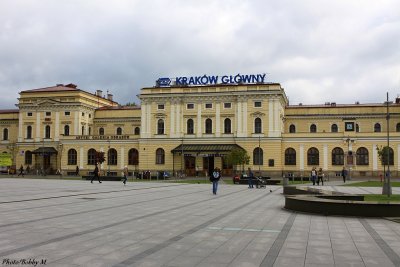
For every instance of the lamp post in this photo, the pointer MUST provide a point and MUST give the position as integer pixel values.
(349, 155)
(259, 155)
(387, 188)
(182, 159)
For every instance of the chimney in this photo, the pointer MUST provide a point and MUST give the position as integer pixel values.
(110, 97)
(99, 93)
(71, 85)
(397, 100)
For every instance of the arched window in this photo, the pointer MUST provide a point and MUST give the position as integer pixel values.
(334, 128)
(29, 132)
(133, 157)
(190, 126)
(137, 130)
(208, 126)
(257, 125)
(290, 156)
(258, 156)
(91, 157)
(377, 128)
(72, 157)
(337, 156)
(227, 126)
(47, 131)
(357, 128)
(391, 157)
(90, 130)
(313, 128)
(28, 157)
(313, 156)
(112, 157)
(160, 156)
(66, 130)
(83, 130)
(398, 127)
(101, 131)
(292, 128)
(362, 156)
(119, 131)
(160, 126)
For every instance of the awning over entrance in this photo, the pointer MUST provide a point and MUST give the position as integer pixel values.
(205, 149)
(45, 151)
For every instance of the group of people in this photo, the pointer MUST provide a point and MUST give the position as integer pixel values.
(317, 176)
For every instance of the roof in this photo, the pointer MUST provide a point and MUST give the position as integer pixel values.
(205, 148)
(215, 85)
(57, 88)
(119, 108)
(4, 111)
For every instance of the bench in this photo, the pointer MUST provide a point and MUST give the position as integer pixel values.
(104, 178)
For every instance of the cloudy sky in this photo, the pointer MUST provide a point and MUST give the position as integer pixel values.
(338, 51)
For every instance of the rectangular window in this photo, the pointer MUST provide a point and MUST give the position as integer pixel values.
(227, 105)
(161, 106)
(90, 115)
(83, 114)
(208, 105)
(67, 113)
(257, 104)
(190, 106)
(48, 113)
(29, 114)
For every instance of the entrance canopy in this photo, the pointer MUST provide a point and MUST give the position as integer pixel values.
(205, 150)
(45, 151)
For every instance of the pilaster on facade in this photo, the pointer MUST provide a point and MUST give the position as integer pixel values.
(38, 123)
(122, 165)
(76, 122)
(271, 131)
(301, 153)
(199, 123)
(57, 127)
(398, 157)
(172, 122)
(81, 158)
(325, 164)
(20, 127)
(218, 119)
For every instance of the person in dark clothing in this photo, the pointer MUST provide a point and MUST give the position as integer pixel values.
(250, 177)
(214, 178)
(313, 175)
(77, 171)
(96, 174)
(320, 174)
(126, 173)
(344, 174)
(21, 171)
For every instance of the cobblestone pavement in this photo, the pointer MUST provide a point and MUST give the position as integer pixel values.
(76, 223)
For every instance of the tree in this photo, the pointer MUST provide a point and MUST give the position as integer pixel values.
(238, 156)
(100, 158)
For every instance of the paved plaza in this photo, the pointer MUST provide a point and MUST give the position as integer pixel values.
(76, 223)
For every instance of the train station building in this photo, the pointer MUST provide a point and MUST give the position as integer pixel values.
(192, 127)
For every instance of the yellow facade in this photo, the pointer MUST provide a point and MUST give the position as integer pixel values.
(188, 128)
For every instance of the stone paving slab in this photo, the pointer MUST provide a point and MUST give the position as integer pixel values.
(75, 223)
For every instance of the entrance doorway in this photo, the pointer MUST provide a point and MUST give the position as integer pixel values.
(208, 164)
(190, 166)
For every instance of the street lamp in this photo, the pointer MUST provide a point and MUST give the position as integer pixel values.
(387, 188)
(349, 158)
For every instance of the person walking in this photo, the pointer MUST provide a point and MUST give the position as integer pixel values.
(21, 171)
(313, 175)
(250, 177)
(214, 178)
(77, 171)
(96, 174)
(126, 173)
(320, 176)
(344, 174)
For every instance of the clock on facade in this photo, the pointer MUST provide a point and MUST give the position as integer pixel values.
(349, 126)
